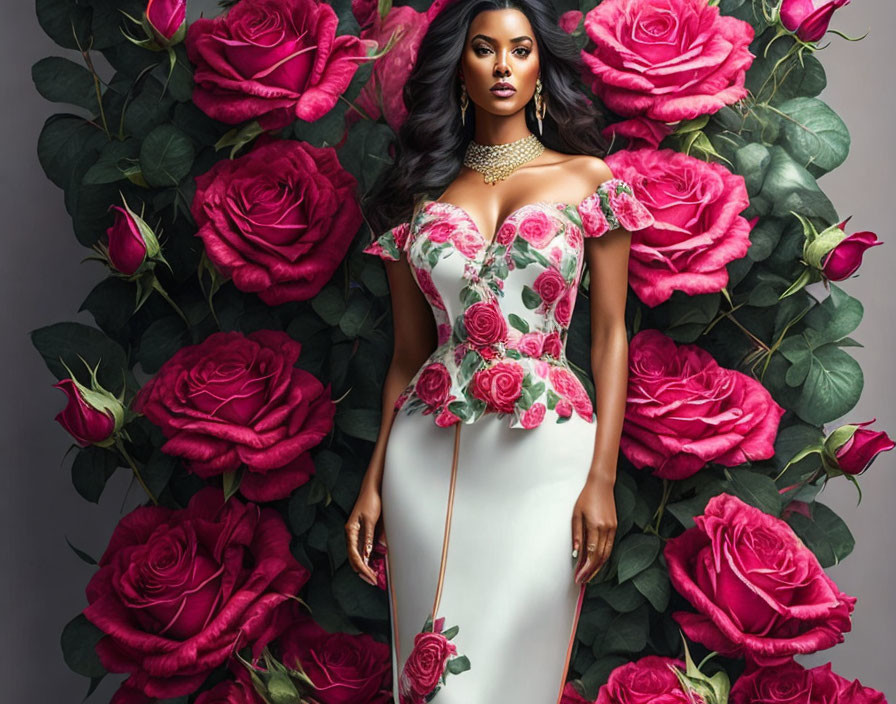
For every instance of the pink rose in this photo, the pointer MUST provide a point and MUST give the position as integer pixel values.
(345, 668)
(446, 418)
(424, 666)
(684, 410)
(178, 591)
(485, 324)
(506, 233)
(239, 399)
(571, 695)
(563, 408)
(563, 309)
(467, 241)
(279, 219)
(549, 284)
(640, 132)
(499, 386)
(859, 450)
(759, 592)
(553, 345)
(433, 384)
(697, 229)
(127, 248)
(378, 563)
(846, 257)
(537, 228)
(428, 288)
(668, 61)
(166, 16)
(90, 417)
(533, 415)
(530, 343)
(569, 21)
(444, 332)
(791, 682)
(567, 385)
(808, 19)
(391, 71)
(644, 681)
(275, 60)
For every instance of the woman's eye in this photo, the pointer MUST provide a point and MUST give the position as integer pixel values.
(526, 51)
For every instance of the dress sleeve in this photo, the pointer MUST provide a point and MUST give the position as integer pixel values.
(390, 244)
(613, 205)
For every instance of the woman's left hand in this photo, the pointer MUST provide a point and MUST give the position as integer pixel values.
(593, 527)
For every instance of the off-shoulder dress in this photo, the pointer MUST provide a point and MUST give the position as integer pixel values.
(490, 447)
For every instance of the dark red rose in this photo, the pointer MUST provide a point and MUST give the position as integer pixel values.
(127, 249)
(846, 257)
(166, 17)
(760, 593)
(90, 417)
(177, 591)
(275, 60)
(433, 384)
(279, 219)
(644, 681)
(238, 399)
(485, 323)
(791, 683)
(499, 386)
(549, 284)
(345, 668)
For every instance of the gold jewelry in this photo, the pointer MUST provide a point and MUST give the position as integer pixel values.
(497, 161)
(464, 102)
(592, 548)
(540, 109)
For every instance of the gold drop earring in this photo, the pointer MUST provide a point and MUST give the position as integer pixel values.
(540, 111)
(464, 102)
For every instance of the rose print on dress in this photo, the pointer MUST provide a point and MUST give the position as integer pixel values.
(431, 660)
(503, 305)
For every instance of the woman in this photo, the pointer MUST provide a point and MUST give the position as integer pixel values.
(490, 467)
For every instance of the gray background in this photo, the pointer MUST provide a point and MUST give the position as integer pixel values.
(42, 282)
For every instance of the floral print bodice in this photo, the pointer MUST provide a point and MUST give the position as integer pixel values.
(503, 307)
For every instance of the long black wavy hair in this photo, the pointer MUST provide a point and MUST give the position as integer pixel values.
(431, 142)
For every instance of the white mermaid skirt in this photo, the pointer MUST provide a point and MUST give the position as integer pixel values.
(507, 577)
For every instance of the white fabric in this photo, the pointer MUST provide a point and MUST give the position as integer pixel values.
(509, 576)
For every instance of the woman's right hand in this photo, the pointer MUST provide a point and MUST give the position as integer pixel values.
(360, 529)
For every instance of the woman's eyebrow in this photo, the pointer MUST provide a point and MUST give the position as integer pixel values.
(495, 41)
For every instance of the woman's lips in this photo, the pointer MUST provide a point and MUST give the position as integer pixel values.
(503, 92)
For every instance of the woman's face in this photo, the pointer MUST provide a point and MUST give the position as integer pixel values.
(500, 48)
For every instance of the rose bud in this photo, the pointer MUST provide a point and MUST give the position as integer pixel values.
(131, 241)
(853, 448)
(168, 19)
(844, 259)
(831, 254)
(808, 22)
(91, 417)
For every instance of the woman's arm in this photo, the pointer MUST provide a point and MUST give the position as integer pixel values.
(415, 336)
(594, 518)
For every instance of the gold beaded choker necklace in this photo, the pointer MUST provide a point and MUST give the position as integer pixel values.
(497, 161)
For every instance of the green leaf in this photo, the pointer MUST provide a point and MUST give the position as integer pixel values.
(361, 423)
(63, 81)
(627, 634)
(792, 439)
(654, 584)
(68, 341)
(636, 553)
(117, 159)
(91, 469)
(166, 156)
(837, 316)
(814, 134)
(825, 534)
(531, 299)
(788, 186)
(64, 141)
(66, 22)
(756, 489)
(518, 323)
(329, 304)
(160, 341)
(832, 387)
(89, 559)
(689, 315)
(230, 481)
(79, 638)
(158, 470)
(355, 315)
